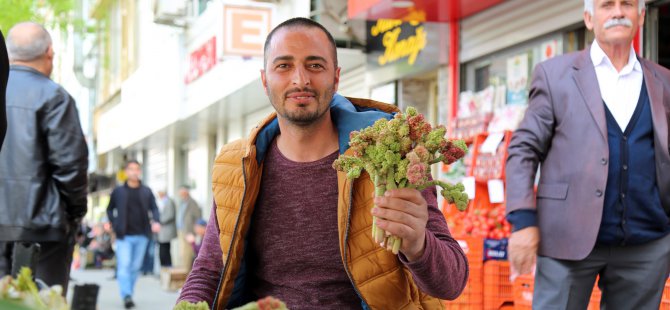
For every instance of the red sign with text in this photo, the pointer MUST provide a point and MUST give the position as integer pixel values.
(201, 60)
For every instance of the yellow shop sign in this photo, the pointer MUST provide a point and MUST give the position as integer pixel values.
(393, 46)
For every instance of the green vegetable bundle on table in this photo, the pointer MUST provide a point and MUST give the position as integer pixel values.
(397, 153)
(22, 293)
(267, 303)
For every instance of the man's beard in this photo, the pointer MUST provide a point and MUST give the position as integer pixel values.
(300, 117)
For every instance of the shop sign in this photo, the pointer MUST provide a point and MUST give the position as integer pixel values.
(245, 29)
(201, 60)
(549, 49)
(394, 41)
(517, 79)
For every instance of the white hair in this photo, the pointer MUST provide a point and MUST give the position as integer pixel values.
(27, 49)
(589, 6)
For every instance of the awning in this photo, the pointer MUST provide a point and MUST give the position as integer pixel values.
(421, 10)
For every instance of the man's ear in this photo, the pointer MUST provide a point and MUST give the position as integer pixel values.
(588, 20)
(336, 85)
(50, 52)
(264, 81)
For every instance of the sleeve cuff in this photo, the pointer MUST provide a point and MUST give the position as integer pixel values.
(521, 219)
(427, 252)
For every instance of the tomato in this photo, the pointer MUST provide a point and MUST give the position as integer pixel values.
(491, 222)
(468, 227)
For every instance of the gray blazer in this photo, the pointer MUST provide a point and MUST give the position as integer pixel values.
(565, 131)
(168, 218)
(191, 215)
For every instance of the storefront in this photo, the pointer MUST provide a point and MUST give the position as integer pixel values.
(403, 63)
(657, 33)
(500, 47)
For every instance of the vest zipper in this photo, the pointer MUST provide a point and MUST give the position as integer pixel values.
(232, 239)
(346, 236)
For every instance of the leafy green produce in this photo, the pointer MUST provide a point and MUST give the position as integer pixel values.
(267, 303)
(22, 293)
(397, 153)
(185, 305)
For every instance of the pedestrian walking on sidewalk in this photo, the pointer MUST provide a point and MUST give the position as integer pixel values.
(129, 210)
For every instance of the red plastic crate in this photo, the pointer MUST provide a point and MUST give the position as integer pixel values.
(523, 292)
(472, 296)
(665, 301)
(473, 247)
(594, 303)
(498, 289)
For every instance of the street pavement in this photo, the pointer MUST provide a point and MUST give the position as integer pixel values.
(148, 293)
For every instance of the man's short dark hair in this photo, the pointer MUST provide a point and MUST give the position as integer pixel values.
(129, 162)
(295, 23)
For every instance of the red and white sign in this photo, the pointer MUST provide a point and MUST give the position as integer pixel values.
(245, 29)
(201, 60)
(549, 49)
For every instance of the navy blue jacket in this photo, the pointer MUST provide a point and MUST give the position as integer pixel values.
(118, 208)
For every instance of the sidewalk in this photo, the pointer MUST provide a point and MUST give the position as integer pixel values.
(148, 293)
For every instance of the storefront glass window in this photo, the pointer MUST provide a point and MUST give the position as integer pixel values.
(498, 84)
(385, 93)
(657, 33)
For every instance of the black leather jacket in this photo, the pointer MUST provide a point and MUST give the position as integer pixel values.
(4, 72)
(43, 162)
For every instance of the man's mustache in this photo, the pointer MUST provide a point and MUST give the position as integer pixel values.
(618, 22)
(304, 90)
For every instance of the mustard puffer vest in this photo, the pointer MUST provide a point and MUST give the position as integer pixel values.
(379, 278)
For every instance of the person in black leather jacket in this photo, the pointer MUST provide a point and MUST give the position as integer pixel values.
(44, 160)
(4, 74)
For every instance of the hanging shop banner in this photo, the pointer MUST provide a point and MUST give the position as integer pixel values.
(391, 41)
(201, 60)
(517, 79)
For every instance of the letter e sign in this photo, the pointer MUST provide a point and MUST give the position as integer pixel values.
(245, 29)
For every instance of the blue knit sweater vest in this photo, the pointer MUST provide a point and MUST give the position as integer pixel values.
(632, 213)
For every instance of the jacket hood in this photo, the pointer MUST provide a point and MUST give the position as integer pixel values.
(348, 114)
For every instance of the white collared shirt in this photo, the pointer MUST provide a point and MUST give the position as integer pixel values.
(619, 90)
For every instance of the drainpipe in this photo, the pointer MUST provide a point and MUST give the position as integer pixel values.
(90, 83)
(454, 64)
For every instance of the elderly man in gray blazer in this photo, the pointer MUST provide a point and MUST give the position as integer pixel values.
(168, 231)
(597, 125)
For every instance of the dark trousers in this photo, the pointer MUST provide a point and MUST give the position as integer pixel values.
(164, 254)
(5, 258)
(53, 263)
(631, 277)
